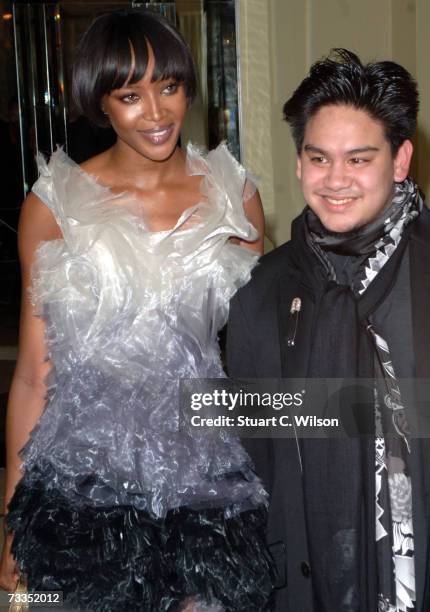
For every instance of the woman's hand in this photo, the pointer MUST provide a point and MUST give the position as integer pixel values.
(9, 574)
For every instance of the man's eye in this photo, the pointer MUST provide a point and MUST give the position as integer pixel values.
(319, 159)
(356, 161)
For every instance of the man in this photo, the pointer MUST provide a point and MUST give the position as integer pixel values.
(347, 297)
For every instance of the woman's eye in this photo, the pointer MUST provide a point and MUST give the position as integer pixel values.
(171, 88)
(130, 98)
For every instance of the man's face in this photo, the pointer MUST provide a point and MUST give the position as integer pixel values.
(346, 167)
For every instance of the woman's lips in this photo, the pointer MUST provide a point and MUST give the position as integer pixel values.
(158, 135)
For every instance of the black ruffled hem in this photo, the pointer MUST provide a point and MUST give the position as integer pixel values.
(121, 558)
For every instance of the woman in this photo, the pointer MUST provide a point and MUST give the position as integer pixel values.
(132, 259)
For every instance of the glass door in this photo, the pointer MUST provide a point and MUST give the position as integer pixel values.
(40, 82)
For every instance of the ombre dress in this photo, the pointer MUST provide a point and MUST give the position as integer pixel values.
(118, 507)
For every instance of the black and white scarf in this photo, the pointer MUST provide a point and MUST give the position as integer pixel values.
(351, 572)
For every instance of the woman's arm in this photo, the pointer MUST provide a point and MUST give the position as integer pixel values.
(254, 211)
(28, 391)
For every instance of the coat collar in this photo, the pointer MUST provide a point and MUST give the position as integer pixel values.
(294, 359)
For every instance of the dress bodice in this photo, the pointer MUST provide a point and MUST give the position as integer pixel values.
(117, 287)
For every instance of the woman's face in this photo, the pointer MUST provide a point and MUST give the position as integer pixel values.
(147, 116)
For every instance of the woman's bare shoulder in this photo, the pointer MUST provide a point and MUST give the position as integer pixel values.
(36, 224)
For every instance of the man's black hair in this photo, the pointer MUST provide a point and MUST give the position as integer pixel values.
(385, 90)
(114, 51)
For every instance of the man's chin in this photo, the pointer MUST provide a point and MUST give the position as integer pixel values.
(341, 226)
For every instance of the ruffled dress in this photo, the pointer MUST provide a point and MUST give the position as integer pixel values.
(119, 507)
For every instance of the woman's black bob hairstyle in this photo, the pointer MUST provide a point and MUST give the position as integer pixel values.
(114, 51)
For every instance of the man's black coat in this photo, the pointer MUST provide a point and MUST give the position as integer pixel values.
(257, 348)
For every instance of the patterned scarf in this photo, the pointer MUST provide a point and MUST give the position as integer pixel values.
(374, 245)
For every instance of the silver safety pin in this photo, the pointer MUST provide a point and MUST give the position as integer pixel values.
(295, 308)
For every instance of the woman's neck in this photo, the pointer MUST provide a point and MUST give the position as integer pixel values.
(132, 167)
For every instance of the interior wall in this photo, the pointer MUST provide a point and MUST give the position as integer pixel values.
(281, 39)
(192, 24)
(422, 23)
(257, 126)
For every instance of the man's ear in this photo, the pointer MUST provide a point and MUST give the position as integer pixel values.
(299, 168)
(402, 161)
